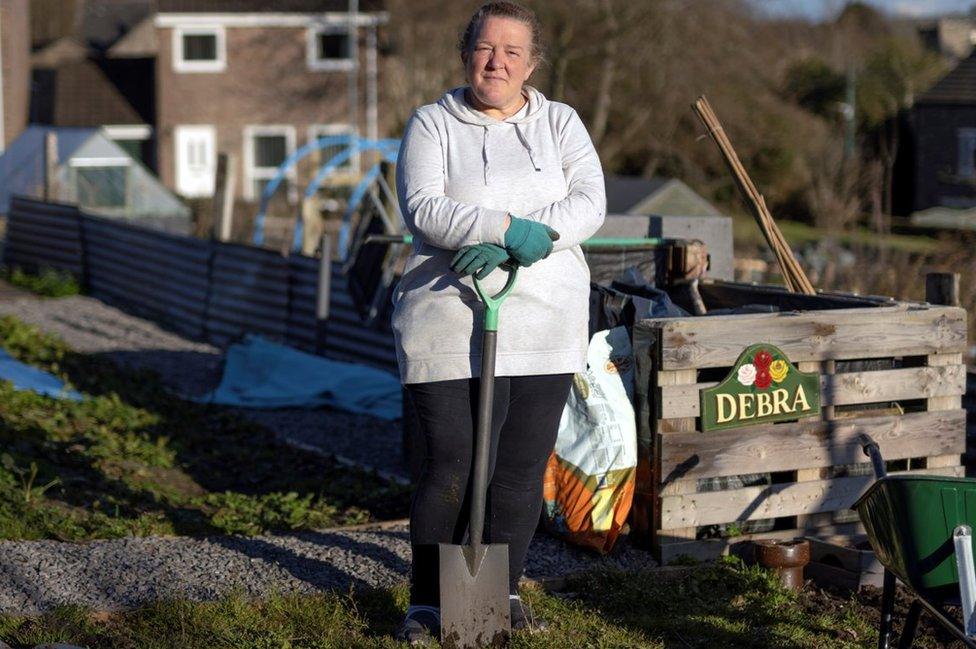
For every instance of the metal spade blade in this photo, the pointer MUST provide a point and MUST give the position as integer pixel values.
(474, 596)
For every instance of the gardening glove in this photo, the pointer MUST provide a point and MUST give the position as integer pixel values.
(478, 259)
(528, 241)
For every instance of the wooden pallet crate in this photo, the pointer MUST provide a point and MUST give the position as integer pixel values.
(843, 561)
(891, 369)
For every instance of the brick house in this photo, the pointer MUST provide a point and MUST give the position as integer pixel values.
(250, 78)
(945, 141)
(14, 69)
(236, 76)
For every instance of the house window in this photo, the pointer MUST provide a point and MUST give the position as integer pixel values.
(199, 49)
(100, 182)
(330, 48)
(265, 148)
(135, 139)
(326, 153)
(967, 152)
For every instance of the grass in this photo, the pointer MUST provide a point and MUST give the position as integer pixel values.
(726, 605)
(132, 460)
(48, 282)
(748, 234)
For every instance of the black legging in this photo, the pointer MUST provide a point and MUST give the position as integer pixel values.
(525, 419)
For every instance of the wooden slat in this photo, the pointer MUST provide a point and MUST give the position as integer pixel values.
(904, 329)
(676, 378)
(829, 376)
(944, 359)
(709, 549)
(946, 402)
(669, 426)
(934, 382)
(809, 445)
(809, 475)
(788, 499)
(813, 520)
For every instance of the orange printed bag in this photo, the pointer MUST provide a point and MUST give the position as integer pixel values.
(590, 477)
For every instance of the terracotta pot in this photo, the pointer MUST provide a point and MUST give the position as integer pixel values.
(787, 558)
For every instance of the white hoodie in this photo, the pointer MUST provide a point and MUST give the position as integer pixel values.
(459, 172)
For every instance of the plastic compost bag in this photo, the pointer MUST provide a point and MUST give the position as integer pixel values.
(590, 477)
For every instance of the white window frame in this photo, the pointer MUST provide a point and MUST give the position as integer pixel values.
(252, 173)
(311, 47)
(316, 131)
(966, 164)
(128, 131)
(184, 66)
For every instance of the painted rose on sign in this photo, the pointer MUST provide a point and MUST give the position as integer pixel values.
(762, 359)
(763, 379)
(747, 374)
(778, 369)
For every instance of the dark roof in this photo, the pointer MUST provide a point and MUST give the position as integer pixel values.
(105, 21)
(624, 192)
(59, 52)
(234, 6)
(79, 93)
(97, 23)
(957, 87)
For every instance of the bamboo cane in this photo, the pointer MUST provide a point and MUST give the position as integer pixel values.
(793, 274)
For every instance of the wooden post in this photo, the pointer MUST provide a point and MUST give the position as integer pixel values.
(223, 201)
(311, 225)
(51, 166)
(822, 519)
(685, 487)
(324, 291)
(942, 289)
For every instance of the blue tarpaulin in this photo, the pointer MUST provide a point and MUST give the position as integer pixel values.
(25, 377)
(261, 374)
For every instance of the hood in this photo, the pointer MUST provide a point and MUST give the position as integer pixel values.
(453, 102)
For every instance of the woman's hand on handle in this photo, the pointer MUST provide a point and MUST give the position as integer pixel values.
(478, 259)
(528, 241)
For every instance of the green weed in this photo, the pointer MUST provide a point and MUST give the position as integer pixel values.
(48, 282)
(131, 459)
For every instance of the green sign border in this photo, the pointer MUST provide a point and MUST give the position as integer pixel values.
(731, 385)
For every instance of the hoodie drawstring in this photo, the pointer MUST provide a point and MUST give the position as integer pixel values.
(484, 154)
(528, 147)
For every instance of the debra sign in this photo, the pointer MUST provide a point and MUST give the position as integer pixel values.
(762, 387)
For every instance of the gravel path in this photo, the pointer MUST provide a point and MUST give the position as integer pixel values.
(116, 574)
(123, 573)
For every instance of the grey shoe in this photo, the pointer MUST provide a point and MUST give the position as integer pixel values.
(524, 620)
(419, 629)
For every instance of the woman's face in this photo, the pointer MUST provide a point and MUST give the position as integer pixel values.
(500, 61)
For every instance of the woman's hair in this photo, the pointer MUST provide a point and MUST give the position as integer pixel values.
(503, 10)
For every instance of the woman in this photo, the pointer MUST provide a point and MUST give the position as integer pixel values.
(484, 175)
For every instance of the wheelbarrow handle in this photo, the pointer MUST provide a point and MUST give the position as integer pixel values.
(873, 451)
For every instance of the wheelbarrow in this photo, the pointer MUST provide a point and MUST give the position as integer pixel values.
(920, 528)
